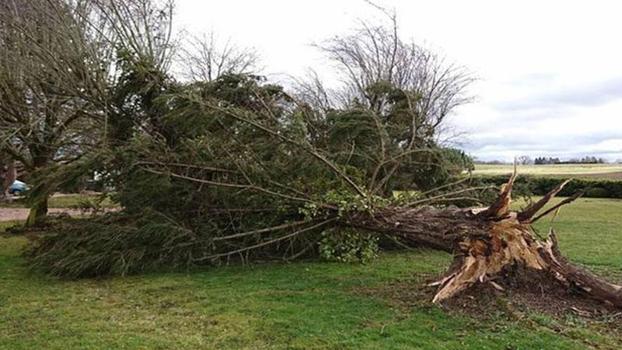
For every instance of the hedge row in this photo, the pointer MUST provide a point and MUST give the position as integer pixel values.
(540, 185)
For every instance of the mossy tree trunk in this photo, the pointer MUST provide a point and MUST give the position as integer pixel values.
(40, 193)
(38, 211)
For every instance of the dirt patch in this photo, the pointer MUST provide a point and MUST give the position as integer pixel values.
(530, 294)
(21, 214)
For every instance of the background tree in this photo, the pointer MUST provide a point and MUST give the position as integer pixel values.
(396, 97)
(140, 34)
(72, 75)
(8, 174)
(48, 65)
(524, 160)
(203, 58)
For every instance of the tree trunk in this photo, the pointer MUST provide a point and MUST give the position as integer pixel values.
(38, 211)
(40, 192)
(486, 243)
(9, 175)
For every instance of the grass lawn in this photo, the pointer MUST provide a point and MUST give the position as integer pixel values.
(62, 201)
(613, 171)
(310, 305)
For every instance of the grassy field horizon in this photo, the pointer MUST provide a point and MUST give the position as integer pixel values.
(604, 171)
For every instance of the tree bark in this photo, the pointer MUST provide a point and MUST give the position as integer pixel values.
(40, 192)
(38, 211)
(486, 243)
(9, 175)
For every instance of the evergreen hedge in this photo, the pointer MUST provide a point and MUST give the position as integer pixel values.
(540, 185)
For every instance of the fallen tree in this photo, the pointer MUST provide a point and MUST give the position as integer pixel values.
(489, 245)
(238, 169)
(243, 185)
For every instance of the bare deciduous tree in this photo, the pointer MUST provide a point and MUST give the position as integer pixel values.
(140, 28)
(59, 68)
(524, 160)
(47, 67)
(376, 54)
(405, 90)
(313, 91)
(205, 59)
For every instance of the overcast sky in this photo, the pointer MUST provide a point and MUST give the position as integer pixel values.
(550, 72)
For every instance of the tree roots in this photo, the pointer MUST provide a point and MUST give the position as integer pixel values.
(510, 244)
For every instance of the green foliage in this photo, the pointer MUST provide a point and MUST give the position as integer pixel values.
(384, 132)
(403, 197)
(457, 160)
(346, 202)
(112, 244)
(232, 156)
(348, 245)
(135, 97)
(122, 244)
(540, 185)
(597, 192)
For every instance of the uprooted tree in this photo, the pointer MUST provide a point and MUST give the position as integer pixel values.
(254, 178)
(238, 169)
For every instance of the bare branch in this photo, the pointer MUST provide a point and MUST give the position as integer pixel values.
(204, 59)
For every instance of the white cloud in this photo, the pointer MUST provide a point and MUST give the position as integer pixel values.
(550, 72)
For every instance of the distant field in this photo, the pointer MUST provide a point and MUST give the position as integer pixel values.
(607, 171)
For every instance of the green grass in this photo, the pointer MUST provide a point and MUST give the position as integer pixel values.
(6, 224)
(64, 201)
(590, 232)
(305, 305)
(551, 169)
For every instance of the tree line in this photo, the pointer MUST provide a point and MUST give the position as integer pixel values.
(526, 160)
(584, 160)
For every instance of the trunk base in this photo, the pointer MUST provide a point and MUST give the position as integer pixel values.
(38, 212)
(519, 292)
(490, 243)
(510, 244)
